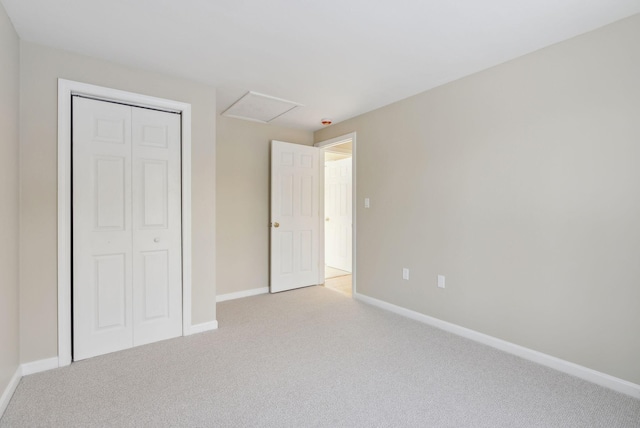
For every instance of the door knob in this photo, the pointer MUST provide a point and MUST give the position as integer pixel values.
(276, 224)
(156, 239)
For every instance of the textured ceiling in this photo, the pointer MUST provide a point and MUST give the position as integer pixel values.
(338, 58)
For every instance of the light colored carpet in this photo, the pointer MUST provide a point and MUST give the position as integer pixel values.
(331, 272)
(313, 358)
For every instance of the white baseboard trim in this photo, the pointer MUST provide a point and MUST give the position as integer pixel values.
(25, 370)
(39, 366)
(568, 367)
(241, 294)
(201, 328)
(9, 390)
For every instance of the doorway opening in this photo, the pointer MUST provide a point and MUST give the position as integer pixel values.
(339, 215)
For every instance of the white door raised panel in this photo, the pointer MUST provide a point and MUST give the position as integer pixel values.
(338, 218)
(295, 216)
(127, 287)
(157, 259)
(102, 262)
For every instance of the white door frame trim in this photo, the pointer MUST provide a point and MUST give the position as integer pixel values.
(354, 205)
(67, 88)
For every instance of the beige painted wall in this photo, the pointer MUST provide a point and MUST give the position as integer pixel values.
(9, 191)
(40, 69)
(243, 201)
(521, 184)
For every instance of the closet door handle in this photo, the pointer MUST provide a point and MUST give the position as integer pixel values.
(156, 239)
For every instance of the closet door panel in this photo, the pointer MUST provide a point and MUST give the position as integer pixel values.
(102, 228)
(157, 252)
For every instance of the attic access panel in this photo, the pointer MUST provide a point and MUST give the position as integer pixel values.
(259, 108)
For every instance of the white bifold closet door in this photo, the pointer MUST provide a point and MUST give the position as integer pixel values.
(127, 258)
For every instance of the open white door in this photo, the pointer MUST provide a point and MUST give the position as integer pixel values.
(295, 215)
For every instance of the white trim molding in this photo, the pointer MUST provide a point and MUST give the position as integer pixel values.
(67, 88)
(241, 294)
(9, 390)
(201, 328)
(585, 373)
(25, 369)
(39, 366)
(336, 141)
